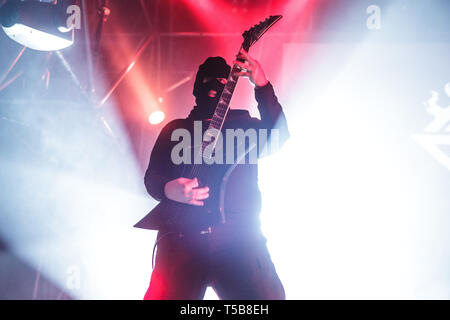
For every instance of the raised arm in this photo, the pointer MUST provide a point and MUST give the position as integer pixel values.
(272, 115)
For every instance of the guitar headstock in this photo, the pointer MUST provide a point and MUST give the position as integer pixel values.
(254, 33)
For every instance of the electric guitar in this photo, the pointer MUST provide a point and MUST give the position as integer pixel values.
(174, 215)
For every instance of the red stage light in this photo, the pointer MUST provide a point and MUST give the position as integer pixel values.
(156, 117)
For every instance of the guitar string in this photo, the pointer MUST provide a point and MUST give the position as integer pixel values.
(231, 80)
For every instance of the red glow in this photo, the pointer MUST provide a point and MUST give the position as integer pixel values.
(158, 286)
(126, 55)
(228, 17)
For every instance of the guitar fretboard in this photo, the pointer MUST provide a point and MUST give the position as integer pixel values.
(221, 111)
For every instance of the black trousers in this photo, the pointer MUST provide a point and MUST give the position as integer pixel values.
(235, 262)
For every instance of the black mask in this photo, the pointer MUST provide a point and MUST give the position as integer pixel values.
(206, 80)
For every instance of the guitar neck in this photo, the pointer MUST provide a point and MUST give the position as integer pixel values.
(224, 102)
(221, 111)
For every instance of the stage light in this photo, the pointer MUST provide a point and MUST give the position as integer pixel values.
(36, 25)
(156, 117)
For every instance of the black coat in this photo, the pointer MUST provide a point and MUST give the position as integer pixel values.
(242, 195)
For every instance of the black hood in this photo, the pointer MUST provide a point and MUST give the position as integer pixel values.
(213, 67)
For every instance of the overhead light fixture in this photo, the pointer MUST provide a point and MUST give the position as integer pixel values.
(37, 25)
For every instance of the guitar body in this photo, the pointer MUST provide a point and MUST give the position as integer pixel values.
(172, 215)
